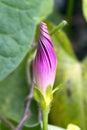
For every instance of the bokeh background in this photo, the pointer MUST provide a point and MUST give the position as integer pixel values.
(72, 12)
(70, 103)
(19, 24)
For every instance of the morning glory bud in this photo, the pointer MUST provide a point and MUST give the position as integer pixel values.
(45, 61)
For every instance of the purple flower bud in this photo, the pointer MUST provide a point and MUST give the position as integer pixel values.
(45, 61)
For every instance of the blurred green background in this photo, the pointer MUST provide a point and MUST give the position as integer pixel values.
(69, 105)
(19, 22)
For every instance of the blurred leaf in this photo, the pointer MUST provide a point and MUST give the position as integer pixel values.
(18, 20)
(48, 8)
(55, 17)
(84, 71)
(13, 92)
(4, 127)
(84, 74)
(84, 7)
(68, 103)
(50, 127)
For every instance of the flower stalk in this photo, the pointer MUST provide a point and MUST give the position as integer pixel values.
(58, 27)
(45, 119)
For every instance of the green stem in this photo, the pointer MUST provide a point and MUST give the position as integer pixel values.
(57, 28)
(69, 10)
(45, 119)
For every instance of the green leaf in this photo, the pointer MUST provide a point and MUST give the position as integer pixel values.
(47, 8)
(13, 92)
(69, 104)
(4, 127)
(50, 127)
(84, 7)
(18, 21)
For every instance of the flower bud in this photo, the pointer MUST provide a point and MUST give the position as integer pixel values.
(45, 61)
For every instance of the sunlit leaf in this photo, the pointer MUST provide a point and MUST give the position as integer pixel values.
(84, 7)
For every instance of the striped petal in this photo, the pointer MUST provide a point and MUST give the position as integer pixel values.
(45, 61)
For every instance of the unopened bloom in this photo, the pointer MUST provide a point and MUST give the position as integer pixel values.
(45, 61)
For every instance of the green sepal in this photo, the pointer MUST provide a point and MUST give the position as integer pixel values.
(56, 88)
(39, 97)
(44, 99)
(48, 96)
(48, 90)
